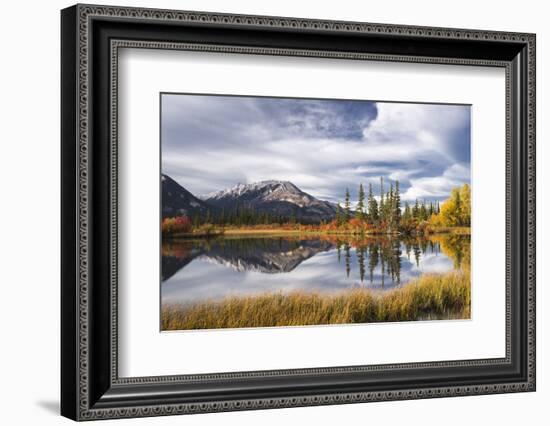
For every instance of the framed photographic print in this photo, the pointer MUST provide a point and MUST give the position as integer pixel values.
(287, 234)
(263, 212)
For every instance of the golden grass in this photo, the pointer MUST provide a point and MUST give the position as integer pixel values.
(430, 296)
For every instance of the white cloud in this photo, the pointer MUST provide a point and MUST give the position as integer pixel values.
(211, 142)
(438, 186)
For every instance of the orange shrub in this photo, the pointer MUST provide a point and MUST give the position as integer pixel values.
(172, 225)
(356, 223)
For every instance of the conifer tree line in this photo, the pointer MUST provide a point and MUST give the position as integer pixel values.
(390, 214)
(241, 216)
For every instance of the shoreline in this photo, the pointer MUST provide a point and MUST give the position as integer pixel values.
(273, 232)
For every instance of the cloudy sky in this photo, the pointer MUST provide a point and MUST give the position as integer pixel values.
(322, 146)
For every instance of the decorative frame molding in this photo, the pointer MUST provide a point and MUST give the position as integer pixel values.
(91, 388)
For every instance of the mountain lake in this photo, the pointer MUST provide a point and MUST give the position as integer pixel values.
(197, 270)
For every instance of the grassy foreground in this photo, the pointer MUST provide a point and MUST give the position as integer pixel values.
(430, 296)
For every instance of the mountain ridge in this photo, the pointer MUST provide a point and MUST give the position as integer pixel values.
(277, 197)
(178, 201)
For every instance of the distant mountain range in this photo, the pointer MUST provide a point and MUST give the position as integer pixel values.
(178, 201)
(278, 198)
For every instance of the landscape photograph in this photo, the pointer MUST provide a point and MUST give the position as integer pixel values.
(279, 212)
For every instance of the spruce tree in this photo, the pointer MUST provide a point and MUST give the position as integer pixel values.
(396, 205)
(423, 212)
(338, 217)
(196, 221)
(407, 212)
(390, 201)
(416, 209)
(387, 208)
(382, 206)
(292, 217)
(372, 207)
(347, 207)
(360, 210)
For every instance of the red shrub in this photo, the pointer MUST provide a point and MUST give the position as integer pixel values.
(172, 225)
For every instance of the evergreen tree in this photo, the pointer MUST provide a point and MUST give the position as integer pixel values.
(396, 205)
(292, 217)
(407, 215)
(372, 207)
(423, 212)
(390, 201)
(338, 217)
(416, 209)
(347, 207)
(382, 205)
(196, 221)
(360, 210)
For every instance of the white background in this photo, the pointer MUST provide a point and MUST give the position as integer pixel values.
(29, 225)
(146, 352)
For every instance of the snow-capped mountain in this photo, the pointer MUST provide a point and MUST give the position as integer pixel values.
(177, 201)
(274, 197)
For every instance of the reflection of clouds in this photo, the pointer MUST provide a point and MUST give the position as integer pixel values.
(432, 263)
(203, 279)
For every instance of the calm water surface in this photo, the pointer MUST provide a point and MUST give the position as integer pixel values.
(200, 270)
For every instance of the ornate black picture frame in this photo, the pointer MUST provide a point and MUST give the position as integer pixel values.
(91, 387)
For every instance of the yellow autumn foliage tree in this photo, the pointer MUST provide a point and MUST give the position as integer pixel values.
(456, 211)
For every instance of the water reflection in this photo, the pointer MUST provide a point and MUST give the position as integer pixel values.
(195, 270)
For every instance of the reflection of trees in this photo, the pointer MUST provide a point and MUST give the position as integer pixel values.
(361, 261)
(347, 256)
(396, 261)
(373, 260)
(385, 253)
(458, 248)
(283, 254)
(417, 252)
(375, 252)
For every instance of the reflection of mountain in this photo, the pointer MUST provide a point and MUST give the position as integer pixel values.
(279, 198)
(270, 255)
(175, 257)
